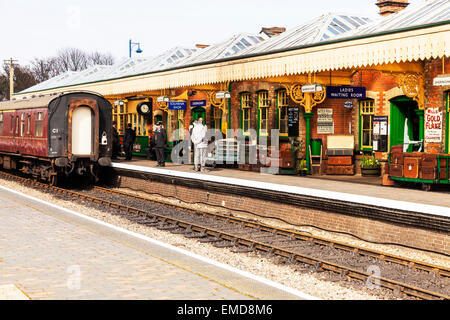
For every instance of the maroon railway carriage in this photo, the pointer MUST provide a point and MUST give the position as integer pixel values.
(51, 137)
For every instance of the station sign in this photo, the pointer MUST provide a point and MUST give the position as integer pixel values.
(177, 105)
(346, 92)
(198, 103)
(311, 88)
(442, 80)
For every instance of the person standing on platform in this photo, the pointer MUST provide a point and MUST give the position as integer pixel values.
(128, 141)
(159, 143)
(200, 145)
(115, 144)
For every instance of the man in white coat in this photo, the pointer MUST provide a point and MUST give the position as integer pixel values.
(198, 138)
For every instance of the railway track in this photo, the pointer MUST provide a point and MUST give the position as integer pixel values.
(246, 236)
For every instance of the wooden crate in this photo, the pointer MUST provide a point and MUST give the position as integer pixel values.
(341, 170)
(396, 170)
(411, 168)
(340, 161)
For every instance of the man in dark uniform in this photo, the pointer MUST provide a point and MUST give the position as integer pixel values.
(159, 142)
(128, 141)
(115, 143)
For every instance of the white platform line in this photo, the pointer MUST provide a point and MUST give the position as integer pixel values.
(176, 249)
(360, 199)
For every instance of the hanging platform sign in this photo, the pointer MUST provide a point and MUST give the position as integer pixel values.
(442, 80)
(346, 92)
(198, 103)
(433, 125)
(177, 105)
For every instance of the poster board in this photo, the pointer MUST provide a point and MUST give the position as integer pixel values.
(325, 123)
(433, 125)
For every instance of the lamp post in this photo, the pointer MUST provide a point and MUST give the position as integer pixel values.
(133, 44)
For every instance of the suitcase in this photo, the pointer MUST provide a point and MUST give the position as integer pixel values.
(286, 163)
(339, 152)
(411, 168)
(428, 173)
(428, 160)
(396, 170)
(341, 170)
(397, 149)
(443, 174)
(397, 158)
(340, 161)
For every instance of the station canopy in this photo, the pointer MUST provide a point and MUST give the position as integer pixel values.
(320, 29)
(330, 42)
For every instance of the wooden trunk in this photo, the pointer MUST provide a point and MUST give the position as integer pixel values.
(397, 158)
(411, 168)
(341, 170)
(428, 173)
(396, 170)
(340, 161)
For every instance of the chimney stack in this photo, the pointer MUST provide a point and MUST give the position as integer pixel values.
(389, 7)
(201, 46)
(272, 32)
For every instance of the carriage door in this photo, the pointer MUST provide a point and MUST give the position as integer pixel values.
(82, 120)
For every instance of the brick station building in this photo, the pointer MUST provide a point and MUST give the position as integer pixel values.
(280, 80)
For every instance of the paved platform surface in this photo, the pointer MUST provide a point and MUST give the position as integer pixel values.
(50, 253)
(351, 185)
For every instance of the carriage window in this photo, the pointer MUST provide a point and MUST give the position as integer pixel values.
(29, 124)
(39, 124)
(17, 125)
(22, 124)
(1, 124)
(12, 124)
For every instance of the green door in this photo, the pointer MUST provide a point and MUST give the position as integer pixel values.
(197, 113)
(404, 119)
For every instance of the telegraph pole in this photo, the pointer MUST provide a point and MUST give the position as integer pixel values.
(11, 62)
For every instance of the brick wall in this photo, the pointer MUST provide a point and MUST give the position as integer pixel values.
(371, 230)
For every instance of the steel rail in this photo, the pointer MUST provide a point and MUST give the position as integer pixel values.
(439, 270)
(202, 231)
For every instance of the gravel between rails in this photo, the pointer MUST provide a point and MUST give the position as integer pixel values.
(388, 270)
(290, 275)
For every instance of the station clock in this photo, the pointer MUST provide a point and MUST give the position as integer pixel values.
(145, 108)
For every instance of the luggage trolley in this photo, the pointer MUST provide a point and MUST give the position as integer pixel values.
(425, 168)
(226, 152)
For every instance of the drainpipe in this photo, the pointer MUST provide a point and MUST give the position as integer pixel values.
(308, 117)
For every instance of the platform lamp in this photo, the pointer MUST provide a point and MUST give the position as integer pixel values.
(133, 44)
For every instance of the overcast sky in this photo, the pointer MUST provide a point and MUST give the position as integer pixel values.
(40, 28)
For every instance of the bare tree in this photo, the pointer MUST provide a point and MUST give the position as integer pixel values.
(71, 59)
(98, 58)
(44, 68)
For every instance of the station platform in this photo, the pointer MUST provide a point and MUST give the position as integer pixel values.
(48, 252)
(355, 189)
